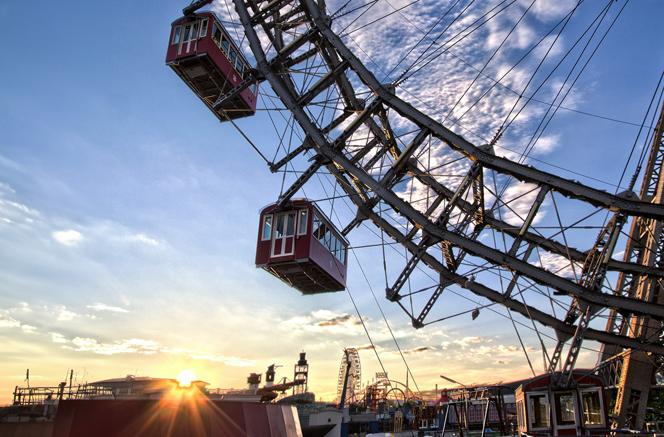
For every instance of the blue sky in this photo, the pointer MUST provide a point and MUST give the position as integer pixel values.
(130, 214)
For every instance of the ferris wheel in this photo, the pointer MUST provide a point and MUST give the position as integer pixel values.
(473, 217)
(349, 383)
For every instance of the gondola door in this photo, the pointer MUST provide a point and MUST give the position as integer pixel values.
(283, 237)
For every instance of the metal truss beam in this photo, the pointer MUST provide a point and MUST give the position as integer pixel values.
(488, 160)
(345, 168)
(322, 84)
(530, 237)
(638, 368)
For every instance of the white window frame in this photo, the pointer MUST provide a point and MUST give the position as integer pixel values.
(177, 35)
(284, 235)
(194, 31)
(204, 25)
(269, 237)
(301, 231)
(582, 412)
(225, 39)
(531, 413)
(215, 28)
(553, 405)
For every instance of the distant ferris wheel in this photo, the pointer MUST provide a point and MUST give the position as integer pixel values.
(350, 377)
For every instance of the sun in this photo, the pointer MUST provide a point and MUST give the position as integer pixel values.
(185, 378)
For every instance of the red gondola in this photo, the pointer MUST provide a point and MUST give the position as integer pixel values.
(543, 410)
(298, 244)
(202, 53)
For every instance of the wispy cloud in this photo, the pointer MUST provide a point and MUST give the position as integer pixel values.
(108, 308)
(63, 314)
(324, 322)
(144, 239)
(7, 321)
(13, 212)
(56, 337)
(142, 346)
(227, 360)
(418, 350)
(29, 329)
(129, 346)
(337, 320)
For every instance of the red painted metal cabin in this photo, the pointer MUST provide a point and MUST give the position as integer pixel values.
(298, 244)
(205, 57)
(545, 410)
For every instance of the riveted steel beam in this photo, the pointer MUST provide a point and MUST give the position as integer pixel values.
(349, 169)
(322, 84)
(521, 172)
(531, 237)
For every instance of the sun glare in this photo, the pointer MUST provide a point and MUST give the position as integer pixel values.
(185, 378)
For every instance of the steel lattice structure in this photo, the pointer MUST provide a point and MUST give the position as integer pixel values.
(635, 371)
(374, 143)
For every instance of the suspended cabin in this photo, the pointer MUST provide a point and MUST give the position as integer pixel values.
(544, 410)
(205, 57)
(298, 244)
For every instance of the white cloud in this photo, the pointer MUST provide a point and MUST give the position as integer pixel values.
(324, 322)
(476, 349)
(516, 202)
(465, 342)
(547, 10)
(6, 189)
(546, 144)
(8, 321)
(142, 347)
(417, 350)
(56, 337)
(29, 329)
(22, 307)
(132, 345)
(62, 314)
(68, 237)
(559, 265)
(13, 212)
(144, 239)
(229, 361)
(98, 306)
